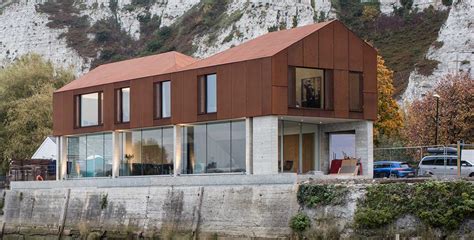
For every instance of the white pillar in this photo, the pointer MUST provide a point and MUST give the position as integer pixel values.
(115, 154)
(61, 163)
(248, 145)
(265, 145)
(177, 160)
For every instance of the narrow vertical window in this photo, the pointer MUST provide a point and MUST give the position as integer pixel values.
(211, 93)
(88, 109)
(355, 92)
(163, 99)
(207, 94)
(123, 105)
(166, 99)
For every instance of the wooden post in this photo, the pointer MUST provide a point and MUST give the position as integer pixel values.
(459, 158)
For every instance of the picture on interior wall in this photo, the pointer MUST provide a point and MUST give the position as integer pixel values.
(310, 96)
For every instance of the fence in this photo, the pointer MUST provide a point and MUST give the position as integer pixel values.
(414, 154)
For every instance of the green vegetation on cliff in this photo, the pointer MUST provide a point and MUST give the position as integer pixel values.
(402, 39)
(443, 205)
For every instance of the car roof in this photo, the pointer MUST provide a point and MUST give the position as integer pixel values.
(439, 156)
(379, 162)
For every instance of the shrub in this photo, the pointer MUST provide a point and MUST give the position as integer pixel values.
(314, 195)
(438, 204)
(300, 222)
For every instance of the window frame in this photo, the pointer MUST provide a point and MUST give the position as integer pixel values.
(361, 92)
(119, 105)
(202, 95)
(78, 113)
(326, 104)
(158, 106)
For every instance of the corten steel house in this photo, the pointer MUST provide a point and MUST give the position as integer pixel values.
(288, 101)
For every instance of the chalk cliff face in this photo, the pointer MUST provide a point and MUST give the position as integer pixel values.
(454, 51)
(23, 29)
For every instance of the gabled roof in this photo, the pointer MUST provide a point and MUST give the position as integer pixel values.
(266, 45)
(131, 69)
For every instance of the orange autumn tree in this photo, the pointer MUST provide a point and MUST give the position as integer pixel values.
(456, 113)
(389, 120)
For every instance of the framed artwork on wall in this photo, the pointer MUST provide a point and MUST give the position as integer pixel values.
(311, 92)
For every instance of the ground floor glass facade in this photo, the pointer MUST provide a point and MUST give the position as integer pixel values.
(214, 148)
(298, 147)
(89, 155)
(146, 152)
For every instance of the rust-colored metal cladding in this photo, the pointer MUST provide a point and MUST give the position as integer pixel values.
(264, 46)
(224, 92)
(252, 80)
(341, 46)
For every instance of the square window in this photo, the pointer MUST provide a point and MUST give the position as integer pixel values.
(88, 109)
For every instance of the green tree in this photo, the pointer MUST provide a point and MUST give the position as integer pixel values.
(26, 89)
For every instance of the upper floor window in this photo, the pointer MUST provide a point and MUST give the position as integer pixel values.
(163, 99)
(123, 105)
(310, 88)
(207, 94)
(355, 91)
(88, 109)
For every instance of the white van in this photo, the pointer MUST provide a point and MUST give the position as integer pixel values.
(436, 165)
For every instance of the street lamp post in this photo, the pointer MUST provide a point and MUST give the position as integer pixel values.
(437, 117)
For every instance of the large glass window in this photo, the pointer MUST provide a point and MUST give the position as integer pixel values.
(89, 156)
(207, 94)
(355, 91)
(88, 109)
(147, 152)
(214, 148)
(298, 151)
(123, 105)
(163, 99)
(310, 88)
(342, 145)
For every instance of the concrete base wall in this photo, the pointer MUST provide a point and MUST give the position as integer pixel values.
(364, 143)
(225, 210)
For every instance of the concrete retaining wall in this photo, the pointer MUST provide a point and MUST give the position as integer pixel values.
(258, 210)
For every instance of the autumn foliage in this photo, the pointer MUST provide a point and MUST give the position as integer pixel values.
(389, 120)
(456, 113)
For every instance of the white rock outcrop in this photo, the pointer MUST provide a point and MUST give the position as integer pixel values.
(258, 16)
(23, 30)
(456, 53)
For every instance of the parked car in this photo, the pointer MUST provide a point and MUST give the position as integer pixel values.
(445, 165)
(393, 169)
